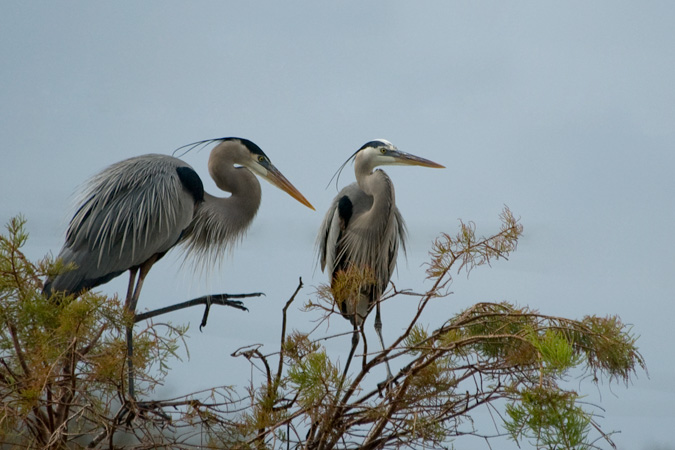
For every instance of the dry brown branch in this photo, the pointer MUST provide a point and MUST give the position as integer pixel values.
(62, 370)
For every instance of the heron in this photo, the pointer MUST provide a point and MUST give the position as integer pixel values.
(363, 230)
(133, 212)
(136, 210)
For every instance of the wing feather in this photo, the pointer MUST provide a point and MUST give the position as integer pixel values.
(129, 212)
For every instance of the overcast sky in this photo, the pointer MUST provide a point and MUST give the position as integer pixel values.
(565, 113)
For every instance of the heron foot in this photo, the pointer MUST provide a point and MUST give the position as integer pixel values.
(233, 303)
(207, 308)
(145, 410)
(387, 385)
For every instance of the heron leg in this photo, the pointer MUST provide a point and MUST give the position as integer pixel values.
(378, 330)
(143, 272)
(355, 343)
(130, 305)
(130, 363)
(364, 360)
(130, 331)
(130, 289)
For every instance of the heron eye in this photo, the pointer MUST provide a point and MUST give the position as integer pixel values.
(383, 150)
(261, 158)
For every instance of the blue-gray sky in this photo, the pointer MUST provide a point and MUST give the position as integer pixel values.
(564, 112)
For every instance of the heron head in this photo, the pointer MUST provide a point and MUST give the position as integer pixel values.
(381, 152)
(244, 153)
(254, 159)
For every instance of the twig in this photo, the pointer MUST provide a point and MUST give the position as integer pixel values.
(283, 332)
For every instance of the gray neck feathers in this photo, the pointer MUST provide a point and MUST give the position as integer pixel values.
(375, 234)
(220, 222)
(379, 186)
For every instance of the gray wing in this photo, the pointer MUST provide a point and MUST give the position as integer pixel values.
(335, 223)
(131, 211)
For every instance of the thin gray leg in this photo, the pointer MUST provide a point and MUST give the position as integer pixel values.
(378, 330)
(355, 343)
(131, 306)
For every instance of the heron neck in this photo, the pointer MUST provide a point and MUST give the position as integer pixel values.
(380, 188)
(233, 213)
(239, 209)
(220, 222)
(378, 185)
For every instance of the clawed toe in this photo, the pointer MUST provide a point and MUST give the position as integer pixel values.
(386, 385)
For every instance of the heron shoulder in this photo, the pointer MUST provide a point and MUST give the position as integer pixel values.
(143, 195)
(129, 212)
(191, 182)
(345, 209)
(359, 202)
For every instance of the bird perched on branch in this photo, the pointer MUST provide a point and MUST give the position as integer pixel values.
(360, 236)
(136, 210)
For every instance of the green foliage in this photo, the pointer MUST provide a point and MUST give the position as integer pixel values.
(417, 337)
(349, 282)
(488, 352)
(62, 359)
(550, 418)
(46, 345)
(465, 251)
(315, 378)
(521, 356)
(616, 354)
(556, 353)
(62, 365)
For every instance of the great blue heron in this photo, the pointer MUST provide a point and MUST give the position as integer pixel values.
(363, 229)
(134, 211)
